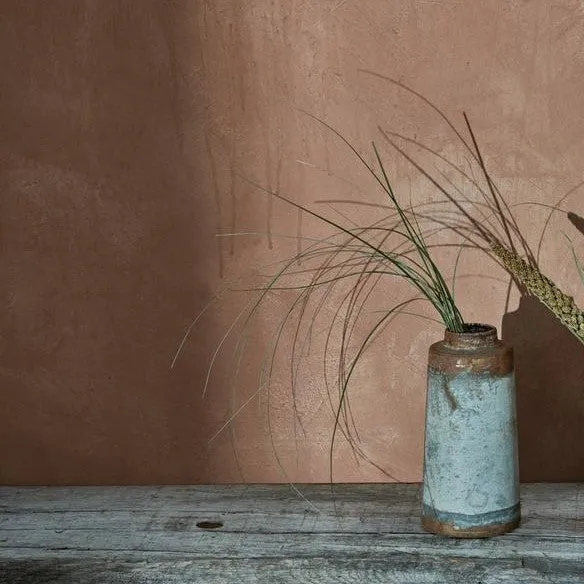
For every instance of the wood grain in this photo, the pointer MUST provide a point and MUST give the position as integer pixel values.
(269, 534)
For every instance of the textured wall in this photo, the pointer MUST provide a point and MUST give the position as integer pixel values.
(128, 132)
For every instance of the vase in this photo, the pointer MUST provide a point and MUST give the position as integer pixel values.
(471, 483)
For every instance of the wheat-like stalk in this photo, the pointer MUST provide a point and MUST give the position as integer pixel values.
(562, 305)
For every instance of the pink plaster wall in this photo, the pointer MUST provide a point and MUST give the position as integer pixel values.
(128, 132)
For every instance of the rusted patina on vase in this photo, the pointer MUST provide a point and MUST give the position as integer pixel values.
(471, 486)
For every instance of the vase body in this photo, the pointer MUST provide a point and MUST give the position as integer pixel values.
(471, 483)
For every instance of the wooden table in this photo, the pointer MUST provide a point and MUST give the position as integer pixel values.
(267, 533)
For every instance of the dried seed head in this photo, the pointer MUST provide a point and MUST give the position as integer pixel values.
(562, 305)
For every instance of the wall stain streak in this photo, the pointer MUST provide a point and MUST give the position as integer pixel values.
(217, 198)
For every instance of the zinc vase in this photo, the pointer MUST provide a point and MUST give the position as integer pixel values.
(470, 484)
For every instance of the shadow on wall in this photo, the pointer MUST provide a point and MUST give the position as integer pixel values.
(106, 241)
(549, 366)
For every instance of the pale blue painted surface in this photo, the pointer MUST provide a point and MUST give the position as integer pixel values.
(470, 462)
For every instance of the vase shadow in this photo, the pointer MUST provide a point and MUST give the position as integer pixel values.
(549, 368)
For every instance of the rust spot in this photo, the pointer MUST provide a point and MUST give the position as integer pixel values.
(449, 395)
(434, 525)
(476, 351)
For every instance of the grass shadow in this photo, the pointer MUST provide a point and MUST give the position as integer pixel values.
(549, 368)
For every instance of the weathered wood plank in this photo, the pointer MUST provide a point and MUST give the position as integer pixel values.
(233, 497)
(43, 543)
(546, 497)
(164, 520)
(256, 522)
(540, 499)
(389, 569)
(267, 509)
(269, 534)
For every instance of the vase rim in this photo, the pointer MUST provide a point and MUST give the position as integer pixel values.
(475, 334)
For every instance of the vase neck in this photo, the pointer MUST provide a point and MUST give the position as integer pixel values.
(475, 336)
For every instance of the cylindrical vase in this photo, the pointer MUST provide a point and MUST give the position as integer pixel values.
(471, 484)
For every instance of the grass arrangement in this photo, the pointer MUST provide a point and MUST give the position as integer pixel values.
(348, 267)
(346, 270)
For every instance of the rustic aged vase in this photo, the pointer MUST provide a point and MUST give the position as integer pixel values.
(471, 486)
